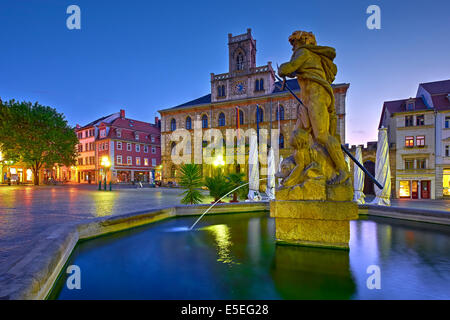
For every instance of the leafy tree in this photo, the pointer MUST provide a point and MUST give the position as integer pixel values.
(191, 180)
(235, 180)
(37, 135)
(217, 185)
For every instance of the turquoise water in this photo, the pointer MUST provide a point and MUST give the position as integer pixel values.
(235, 257)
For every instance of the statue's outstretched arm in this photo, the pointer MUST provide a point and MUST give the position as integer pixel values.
(288, 69)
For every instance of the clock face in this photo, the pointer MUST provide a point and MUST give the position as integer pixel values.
(240, 87)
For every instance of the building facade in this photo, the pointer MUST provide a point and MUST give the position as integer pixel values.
(245, 97)
(129, 150)
(419, 132)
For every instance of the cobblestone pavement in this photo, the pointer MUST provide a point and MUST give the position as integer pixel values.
(27, 211)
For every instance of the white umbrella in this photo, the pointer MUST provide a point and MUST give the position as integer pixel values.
(253, 169)
(271, 175)
(382, 170)
(358, 179)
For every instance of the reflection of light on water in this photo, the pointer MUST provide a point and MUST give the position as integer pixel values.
(221, 233)
(254, 239)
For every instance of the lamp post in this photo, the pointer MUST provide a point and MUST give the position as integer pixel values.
(105, 163)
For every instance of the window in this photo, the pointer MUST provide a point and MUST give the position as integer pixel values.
(410, 106)
(145, 162)
(173, 125)
(153, 138)
(119, 159)
(138, 161)
(119, 145)
(204, 121)
(80, 161)
(421, 163)
(102, 133)
(154, 162)
(257, 85)
(447, 122)
(221, 119)
(420, 120)
(188, 123)
(119, 133)
(172, 148)
(136, 136)
(106, 145)
(281, 141)
(409, 142)
(241, 117)
(240, 61)
(138, 148)
(408, 121)
(128, 146)
(86, 146)
(259, 115)
(280, 113)
(221, 91)
(420, 141)
(409, 164)
(261, 84)
(146, 149)
(129, 161)
(447, 150)
(153, 150)
(80, 148)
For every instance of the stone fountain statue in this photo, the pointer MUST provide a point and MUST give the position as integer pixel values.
(313, 204)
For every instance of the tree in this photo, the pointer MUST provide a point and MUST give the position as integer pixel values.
(37, 135)
(235, 179)
(217, 185)
(191, 180)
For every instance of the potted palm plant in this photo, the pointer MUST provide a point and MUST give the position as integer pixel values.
(191, 180)
(235, 180)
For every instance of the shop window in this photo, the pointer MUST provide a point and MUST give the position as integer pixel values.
(405, 189)
(446, 182)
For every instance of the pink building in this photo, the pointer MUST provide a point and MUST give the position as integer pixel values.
(129, 150)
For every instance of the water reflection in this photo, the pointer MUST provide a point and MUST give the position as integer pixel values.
(222, 237)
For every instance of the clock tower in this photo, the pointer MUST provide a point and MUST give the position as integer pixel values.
(244, 79)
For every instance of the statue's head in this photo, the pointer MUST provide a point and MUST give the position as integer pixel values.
(287, 165)
(300, 38)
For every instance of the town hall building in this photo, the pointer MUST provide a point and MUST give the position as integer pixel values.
(247, 96)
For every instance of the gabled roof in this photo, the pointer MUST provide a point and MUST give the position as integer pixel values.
(437, 87)
(98, 121)
(134, 125)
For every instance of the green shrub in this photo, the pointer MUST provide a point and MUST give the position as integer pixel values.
(217, 185)
(191, 180)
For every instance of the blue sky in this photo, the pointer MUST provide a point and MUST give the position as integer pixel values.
(144, 56)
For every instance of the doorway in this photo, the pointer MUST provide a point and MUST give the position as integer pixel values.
(415, 189)
(425, 189)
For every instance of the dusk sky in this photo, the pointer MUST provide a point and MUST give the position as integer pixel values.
(143, 56)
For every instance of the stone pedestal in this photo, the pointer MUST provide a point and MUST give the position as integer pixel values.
(314, 223)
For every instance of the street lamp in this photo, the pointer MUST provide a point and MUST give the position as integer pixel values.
(105, 163)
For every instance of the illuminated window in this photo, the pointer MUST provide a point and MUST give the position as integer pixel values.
(405, 189)
(129, 160)
(119, 159)
(409, 142)
(420, 141)
(446, 182)
(145, 162)
(138, 161)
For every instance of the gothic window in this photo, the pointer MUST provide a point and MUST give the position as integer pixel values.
(259, 115)
(281, 141)
(188, 123)
(221, 91)
(280, 113)
(221, 120)
(173, 125)
(241, 117)
(204, 121)
(240, 61)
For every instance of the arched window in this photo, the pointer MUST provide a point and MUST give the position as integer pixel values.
(240, 61)
(256, 85)
(261, 84)
(221, 120)
(280, 113)
(259, 115)
(204, 122)
(173, 125)
(241, 117)
(223, 91)
(281, 141)
(188, 123)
